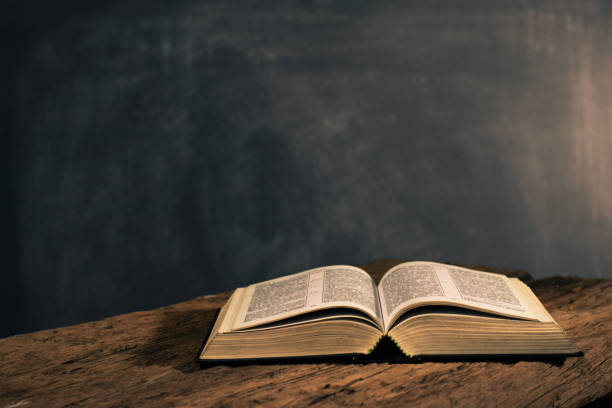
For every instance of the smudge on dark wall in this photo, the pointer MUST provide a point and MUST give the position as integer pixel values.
(164, 151)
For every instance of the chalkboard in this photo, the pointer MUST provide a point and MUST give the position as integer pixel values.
(165, 150)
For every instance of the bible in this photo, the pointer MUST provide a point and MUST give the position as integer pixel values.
(425, 308)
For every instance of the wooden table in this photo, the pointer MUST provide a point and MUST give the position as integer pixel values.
(147, 359)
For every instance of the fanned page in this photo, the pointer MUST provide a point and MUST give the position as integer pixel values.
(328, 287)
(413, 284)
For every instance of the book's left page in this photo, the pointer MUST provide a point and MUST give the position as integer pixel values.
(344, 334)
(328, 287)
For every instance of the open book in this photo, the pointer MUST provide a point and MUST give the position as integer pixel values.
(426, 308)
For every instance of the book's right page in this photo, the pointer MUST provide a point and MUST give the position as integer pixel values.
(414, 284)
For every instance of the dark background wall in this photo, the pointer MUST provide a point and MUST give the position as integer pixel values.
(158, 151)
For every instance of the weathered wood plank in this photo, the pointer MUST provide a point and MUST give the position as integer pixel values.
(147, 358)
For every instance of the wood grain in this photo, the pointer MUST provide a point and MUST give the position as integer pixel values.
(146, 359)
